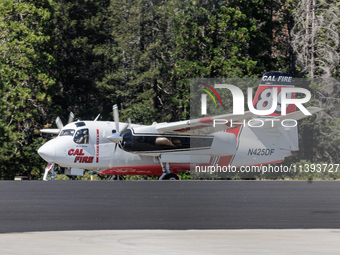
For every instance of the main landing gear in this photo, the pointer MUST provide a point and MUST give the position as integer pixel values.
(171, 177)
(167, 174)
(116, 178)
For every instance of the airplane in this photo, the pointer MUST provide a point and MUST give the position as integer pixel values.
(166, 149)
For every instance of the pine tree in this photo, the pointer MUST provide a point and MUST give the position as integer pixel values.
(138, 78)
(26, 82)
(211, 41)
(315, 42)
(81, 33)
(315, 37)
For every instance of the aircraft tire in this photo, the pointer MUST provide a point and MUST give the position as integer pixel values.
(171, 177)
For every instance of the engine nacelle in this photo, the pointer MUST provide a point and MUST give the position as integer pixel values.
(224, 144)
(216, 145)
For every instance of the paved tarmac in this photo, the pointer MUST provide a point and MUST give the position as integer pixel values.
(169, 242)
(169, 217)
(27, 206)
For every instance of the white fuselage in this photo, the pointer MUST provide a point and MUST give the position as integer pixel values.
(92, 151)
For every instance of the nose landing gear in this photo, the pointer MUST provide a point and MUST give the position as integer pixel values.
(50, 171)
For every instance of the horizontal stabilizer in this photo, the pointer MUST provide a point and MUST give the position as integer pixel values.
(291, 116)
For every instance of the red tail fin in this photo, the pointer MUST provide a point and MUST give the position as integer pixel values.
(263, 97)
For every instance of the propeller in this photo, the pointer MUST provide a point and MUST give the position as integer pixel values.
(70, 118)
(117, 137)
(59, 123)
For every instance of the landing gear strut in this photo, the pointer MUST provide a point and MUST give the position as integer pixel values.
(50, 171)
(167, 174)
(115, 177)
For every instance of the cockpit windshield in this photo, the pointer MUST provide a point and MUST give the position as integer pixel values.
(69, 132)
(82, 136)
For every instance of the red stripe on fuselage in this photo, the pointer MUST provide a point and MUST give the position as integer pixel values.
(145, 170)
(97, 147)
(226, 160)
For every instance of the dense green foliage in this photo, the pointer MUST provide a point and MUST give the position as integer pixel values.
(83, 56)
(27, 82)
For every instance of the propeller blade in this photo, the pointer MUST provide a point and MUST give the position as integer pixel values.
(71, 117)
(59, 123)
(117, 137)
(116, 117)
(126, 126)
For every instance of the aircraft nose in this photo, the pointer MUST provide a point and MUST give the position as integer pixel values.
(47, 151)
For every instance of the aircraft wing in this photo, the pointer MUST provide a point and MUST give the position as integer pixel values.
(54, 131)
(209, 125)
(203, 126)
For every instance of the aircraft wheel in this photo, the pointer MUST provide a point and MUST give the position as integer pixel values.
(171, 177)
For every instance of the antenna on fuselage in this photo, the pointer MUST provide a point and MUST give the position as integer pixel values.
(97, 117)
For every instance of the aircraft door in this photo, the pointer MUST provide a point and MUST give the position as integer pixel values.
(83, 151)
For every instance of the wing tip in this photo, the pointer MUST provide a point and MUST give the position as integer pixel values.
(49, 131)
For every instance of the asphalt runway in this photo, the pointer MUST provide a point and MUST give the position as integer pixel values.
(27, 206)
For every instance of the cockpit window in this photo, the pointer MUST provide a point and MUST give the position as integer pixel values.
(80, 124)
(69, 132)
(82, 136)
